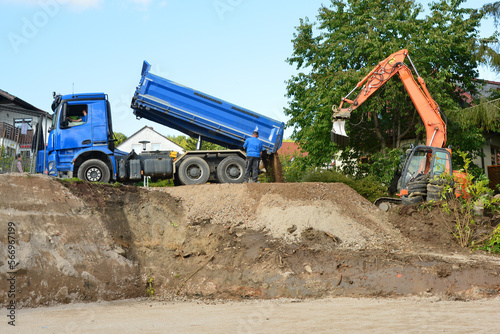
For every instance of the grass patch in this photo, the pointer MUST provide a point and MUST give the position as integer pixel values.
(71, 180)
(157, 184)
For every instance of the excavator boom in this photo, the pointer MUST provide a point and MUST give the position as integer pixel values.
(386, 69)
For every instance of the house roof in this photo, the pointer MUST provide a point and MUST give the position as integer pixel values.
(291, 149)
(9, 98)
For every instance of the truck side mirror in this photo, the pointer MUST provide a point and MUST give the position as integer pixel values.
(64, 124)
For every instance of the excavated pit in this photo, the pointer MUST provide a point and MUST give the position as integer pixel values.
(77, 241)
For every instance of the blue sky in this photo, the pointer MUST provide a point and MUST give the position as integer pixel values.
(232, 49)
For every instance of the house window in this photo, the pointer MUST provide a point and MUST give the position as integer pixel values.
(495, 155)
(155, 147)
(24, 124)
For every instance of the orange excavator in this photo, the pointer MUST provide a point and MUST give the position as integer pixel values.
(423, 162)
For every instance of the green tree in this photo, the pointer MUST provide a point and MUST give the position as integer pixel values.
(485, 47)
(179, 140)
(205, 145)
(349, 39)
(120, 138)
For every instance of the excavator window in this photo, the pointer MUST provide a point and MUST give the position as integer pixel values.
(427, 160)
(418, 165)
(441, 163)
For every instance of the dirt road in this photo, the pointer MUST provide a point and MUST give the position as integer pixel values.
(339, 315)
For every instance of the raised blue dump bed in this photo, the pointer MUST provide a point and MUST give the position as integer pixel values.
(198, 114)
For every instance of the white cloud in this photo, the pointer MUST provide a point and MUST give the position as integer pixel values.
(142, 5)
(81, 4)
(143, 2)
(75, 4)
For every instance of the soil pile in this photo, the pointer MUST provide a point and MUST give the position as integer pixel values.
(87, 242)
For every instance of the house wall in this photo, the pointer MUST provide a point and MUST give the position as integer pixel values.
(9, 112)
(491, 152)
(156, 142)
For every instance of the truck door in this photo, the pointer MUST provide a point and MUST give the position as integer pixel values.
(99, 131)
(74, 128)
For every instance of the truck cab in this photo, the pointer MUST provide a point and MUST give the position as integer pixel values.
(81, 131)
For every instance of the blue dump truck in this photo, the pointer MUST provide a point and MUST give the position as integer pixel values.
(81, 142)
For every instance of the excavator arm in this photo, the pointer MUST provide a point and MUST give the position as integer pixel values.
(426, 107)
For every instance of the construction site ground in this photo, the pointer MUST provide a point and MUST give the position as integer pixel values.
(276, 255)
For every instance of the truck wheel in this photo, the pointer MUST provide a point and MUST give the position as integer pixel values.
(94, 170)
(194, 170)
(231, 170)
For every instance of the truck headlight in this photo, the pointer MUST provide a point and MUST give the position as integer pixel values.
(52, 168)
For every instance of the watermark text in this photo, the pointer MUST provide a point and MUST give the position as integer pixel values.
(11, 294)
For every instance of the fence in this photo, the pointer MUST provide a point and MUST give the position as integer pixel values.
(494, 176)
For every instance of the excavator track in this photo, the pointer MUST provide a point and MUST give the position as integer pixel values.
(384, 203)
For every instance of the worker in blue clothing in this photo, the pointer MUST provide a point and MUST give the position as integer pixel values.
(254, 147)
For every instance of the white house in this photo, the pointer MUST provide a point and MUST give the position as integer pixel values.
(152, 140)
(19, 121)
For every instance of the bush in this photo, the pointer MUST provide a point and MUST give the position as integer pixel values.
(383, 166)
(476, 193)
(367, 187)
(293, 167)
(492, 244)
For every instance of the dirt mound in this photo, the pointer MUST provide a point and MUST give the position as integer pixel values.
(285, 211)
(86, 242)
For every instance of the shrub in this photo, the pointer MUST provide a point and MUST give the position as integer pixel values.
(293, 167)
(476, 193)
(384, 166)
(367, 187)
(492, 244)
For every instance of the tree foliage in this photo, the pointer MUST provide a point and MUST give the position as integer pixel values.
(205, 145)
(486, 46)
(190, 143)
(120, 138)
(180, 140)
(349, 38)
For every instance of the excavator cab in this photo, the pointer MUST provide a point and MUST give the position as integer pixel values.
(425, 161)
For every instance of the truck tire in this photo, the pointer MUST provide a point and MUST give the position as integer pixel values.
(94, 170)
(194, 170)
(231, 170)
